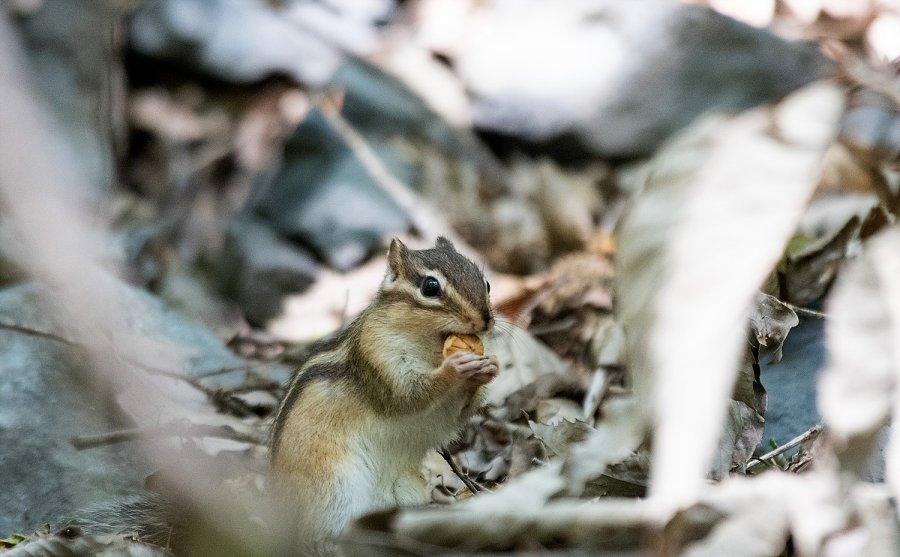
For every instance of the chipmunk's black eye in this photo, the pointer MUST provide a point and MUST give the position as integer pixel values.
(430, 287)
(486, 283)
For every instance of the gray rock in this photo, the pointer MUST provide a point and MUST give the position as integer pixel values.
(620, 77)
(791, 383)
(46, 399)
(871, 127)
(323, 196)
(380, 105)
(248, 40)
(74, 58)
(260, 268)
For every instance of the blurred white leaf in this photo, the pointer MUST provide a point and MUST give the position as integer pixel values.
(718, 207)
(525, 495)
(610, 523)
(608, 344)
(756, 521)
(878, 526)
(858, 393)
(818, 506)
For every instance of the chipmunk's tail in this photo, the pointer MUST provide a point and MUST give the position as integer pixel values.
(150, 518)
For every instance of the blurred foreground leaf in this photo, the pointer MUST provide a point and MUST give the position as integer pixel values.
(720, 203)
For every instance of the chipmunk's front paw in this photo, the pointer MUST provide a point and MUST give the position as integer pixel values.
(473, 369)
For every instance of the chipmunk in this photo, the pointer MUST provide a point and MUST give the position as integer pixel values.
(361, 414)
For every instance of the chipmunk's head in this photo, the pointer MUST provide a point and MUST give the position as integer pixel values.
(441, 285)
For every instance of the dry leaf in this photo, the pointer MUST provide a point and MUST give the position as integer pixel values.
(616, 436)
(745, 420)
(719, 205)
(622, 479)
(808, 273)
(771, 321)
(552, 411)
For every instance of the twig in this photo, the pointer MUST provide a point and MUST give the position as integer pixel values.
(857, 70)
(553, 327)
(222, 371)
(473, 487)
(524, 315)
(425, 219)
(35, 332)
(805, 311)
(810, 433)
(224, 399)
(170, 430)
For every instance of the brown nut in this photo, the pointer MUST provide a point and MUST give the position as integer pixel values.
(463, 343)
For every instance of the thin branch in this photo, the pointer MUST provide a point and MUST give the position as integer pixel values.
(170, 430)
(223, 370)
(473, 487)
(427, 221)
(882, 83)
(805, 311)
(35, 332)
(810, 433)
(553, 327)
(523, 318)
(220, 397)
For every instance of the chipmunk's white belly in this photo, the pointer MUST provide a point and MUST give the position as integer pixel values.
(386, 457)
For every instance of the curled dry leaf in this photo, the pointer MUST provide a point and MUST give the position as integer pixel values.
(552, 411)
(528, 399)
(622, 479)
(561, 435)
(810, 271)
(744, 421)
(771, 320)
(588, 451)
(618, 433)
(743, 432)
(718, 207)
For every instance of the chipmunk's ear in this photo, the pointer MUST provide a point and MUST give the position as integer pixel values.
(397, 255)
(444, 243)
